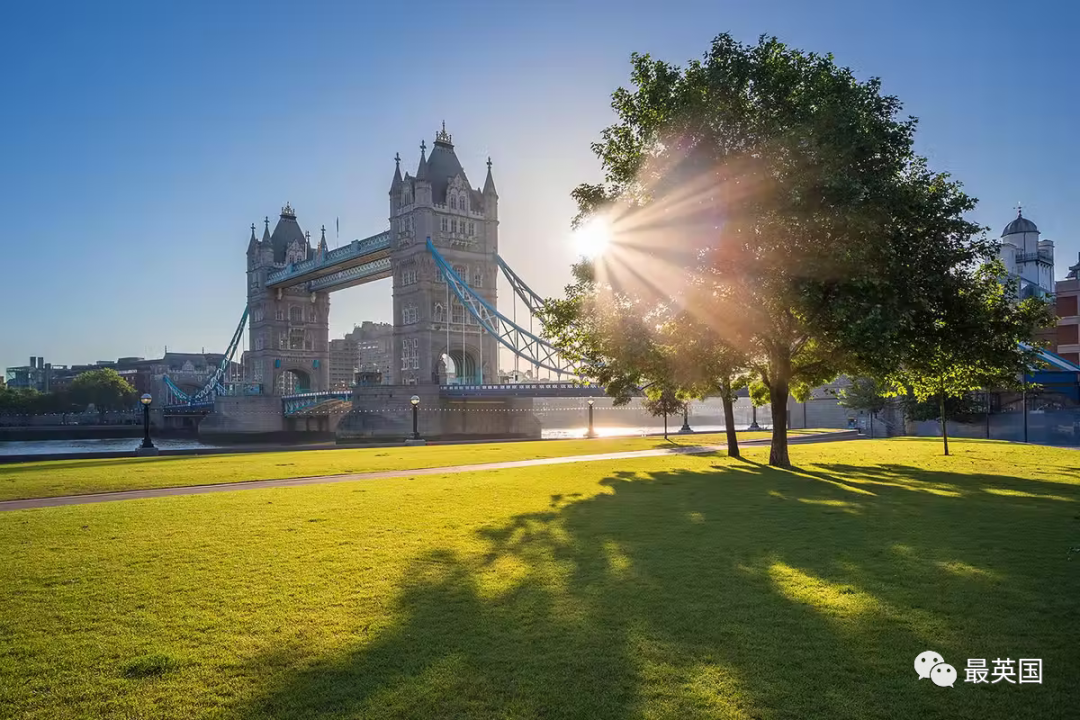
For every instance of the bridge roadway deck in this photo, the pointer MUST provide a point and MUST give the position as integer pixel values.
(32, 503)
(367, 252)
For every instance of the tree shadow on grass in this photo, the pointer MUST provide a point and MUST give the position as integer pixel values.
(740, 592)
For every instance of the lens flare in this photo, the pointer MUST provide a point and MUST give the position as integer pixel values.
(592, 238)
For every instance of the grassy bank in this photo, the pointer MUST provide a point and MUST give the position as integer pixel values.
(51, 478)
(674, 587)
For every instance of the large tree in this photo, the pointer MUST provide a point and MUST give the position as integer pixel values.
(789, 191)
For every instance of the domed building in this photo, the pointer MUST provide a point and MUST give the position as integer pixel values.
(1027, 257)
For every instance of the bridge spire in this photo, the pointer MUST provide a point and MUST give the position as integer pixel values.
(489, 182)
(421, 170)
(322, 243)
(396, 182)
(443, 137)
(266, 229)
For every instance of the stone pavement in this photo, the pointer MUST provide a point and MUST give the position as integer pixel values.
(62, 500)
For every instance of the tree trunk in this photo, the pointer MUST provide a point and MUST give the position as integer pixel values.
(729, 425)
(944, 424)
(665, 426)
(778, 399)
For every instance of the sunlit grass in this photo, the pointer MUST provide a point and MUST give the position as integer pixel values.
(50, 478)
(673, 587)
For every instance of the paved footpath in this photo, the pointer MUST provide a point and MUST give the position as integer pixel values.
(321, 479)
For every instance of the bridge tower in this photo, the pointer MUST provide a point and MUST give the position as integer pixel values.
(289, 349)
(463, 223)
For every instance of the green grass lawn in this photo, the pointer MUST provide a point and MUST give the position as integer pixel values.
(49, 478)
(671, 587)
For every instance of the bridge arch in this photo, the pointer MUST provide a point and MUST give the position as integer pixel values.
(465, 367)
(291, 380)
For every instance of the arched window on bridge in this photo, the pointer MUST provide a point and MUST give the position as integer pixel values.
(440, 313)
(296, 314)
(464, 202)
(279, 314)
(283, 340)
(453, 202)
(443, 224)
(296, 339)
(462, 272)
(457, 313)
(454, 226)
(478, 278)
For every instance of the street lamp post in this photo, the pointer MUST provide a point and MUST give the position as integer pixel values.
(685, 419)
(415, 400)
(592, 432)
(146, 399)
(753, 418)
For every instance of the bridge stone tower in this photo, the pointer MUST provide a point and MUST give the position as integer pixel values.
(289, 348)
(430, 323)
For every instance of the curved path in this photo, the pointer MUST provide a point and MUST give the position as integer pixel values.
(30, 503)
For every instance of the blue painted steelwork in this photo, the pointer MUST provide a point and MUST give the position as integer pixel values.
(532, 300)
(358, 252)
(521, 342)
(294, 403)
(202, 408)
(213, 385)
(352, 276)
(1056, 362)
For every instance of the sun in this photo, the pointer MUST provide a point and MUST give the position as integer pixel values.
(592, 238)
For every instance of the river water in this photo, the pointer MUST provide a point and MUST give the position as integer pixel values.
(45, 447)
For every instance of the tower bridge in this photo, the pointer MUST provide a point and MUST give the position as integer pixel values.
(442, 252)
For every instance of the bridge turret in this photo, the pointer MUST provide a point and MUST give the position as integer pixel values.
(288, 333)
(440, 204)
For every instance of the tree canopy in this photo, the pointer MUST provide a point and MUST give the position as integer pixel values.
(105, 389)
(777, 200)
(974, 341)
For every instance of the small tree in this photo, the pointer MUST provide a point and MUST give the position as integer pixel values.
(105, 389)
(863, 394)
(971, 340)
(663, 400)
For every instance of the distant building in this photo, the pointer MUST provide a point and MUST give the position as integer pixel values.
(344, 362)
(189, 371)
(35, 376)
(1028, 258)
(375, 347)
(1067, 296)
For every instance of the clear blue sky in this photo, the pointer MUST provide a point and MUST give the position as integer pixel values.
(141, 139)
